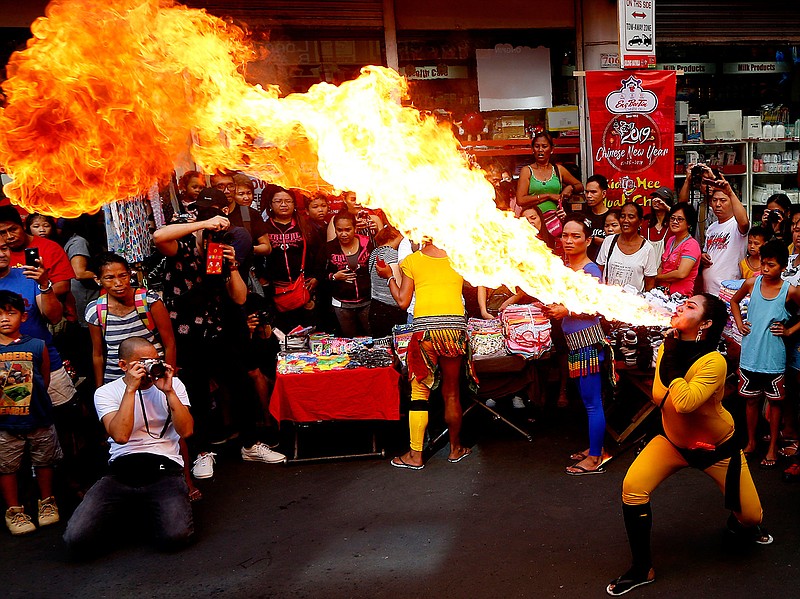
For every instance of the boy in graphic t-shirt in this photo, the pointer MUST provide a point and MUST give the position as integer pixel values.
(726, 239)
(26, 422)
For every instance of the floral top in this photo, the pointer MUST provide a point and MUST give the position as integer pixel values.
(196, 303)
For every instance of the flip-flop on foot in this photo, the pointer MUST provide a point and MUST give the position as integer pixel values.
(467, 451)
(399, 463)
(581, 471)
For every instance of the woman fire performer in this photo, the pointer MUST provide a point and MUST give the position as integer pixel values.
(688, 387)
(439, 348)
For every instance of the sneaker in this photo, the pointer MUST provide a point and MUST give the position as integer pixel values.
(490, 403)
(204, 465)
(48, 511)
(261, 453)
(517, 402)
(18, 522)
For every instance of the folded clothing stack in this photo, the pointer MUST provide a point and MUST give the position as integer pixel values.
(486, 337)
(526, 330)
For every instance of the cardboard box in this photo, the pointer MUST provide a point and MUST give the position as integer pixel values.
(723, 124)
(561, 118)
(751, 127)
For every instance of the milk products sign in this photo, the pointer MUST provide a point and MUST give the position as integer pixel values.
(637, 34)
(632, 119)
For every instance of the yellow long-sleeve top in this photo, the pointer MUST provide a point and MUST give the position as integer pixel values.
(693, 412)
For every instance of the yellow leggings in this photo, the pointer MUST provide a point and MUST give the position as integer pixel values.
(660, 460)
(418, 414)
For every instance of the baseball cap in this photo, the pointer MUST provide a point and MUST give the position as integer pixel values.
(665, 194)
(210, 203)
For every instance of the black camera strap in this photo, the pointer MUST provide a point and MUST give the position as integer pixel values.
(147, 424)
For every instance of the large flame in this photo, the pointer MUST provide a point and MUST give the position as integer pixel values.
(107, 95)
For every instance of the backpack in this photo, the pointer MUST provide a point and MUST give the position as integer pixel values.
(140, 303)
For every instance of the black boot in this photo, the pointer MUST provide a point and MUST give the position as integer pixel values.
(638, 523)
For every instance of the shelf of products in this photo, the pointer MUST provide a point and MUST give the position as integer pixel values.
(518, 147)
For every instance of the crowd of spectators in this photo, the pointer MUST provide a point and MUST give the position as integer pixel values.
(230, 271)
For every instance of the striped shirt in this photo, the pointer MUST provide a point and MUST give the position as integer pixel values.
(119, 328)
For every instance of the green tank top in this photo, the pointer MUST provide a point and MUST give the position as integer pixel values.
(552, 185)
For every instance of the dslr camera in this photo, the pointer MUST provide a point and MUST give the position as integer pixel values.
(156, 368)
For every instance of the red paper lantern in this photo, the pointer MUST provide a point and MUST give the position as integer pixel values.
(473, 123)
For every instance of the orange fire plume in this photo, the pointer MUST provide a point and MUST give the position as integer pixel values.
(107, 95)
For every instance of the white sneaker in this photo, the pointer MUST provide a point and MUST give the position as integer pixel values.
(517, 402)
(48, 511)
(18, 522)
(261, 453)
(204, 465)
(490, 403)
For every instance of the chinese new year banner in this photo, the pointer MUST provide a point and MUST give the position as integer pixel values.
(632, 119)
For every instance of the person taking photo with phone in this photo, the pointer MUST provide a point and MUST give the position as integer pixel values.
(726, 239)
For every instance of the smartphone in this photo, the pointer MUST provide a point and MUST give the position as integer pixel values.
(362, 215)
(380, 263)
(214, 258)
(31, 256)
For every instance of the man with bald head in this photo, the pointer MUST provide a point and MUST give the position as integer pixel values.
(145, 413)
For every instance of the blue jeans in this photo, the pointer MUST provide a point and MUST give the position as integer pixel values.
(166, 502)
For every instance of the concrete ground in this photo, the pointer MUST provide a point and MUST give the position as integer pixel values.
(505, 522)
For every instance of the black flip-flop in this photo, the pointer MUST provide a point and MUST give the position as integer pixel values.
(467, 451)
(403, 464)
(583, 471)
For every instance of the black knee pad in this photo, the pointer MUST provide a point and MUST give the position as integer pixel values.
(418, 405)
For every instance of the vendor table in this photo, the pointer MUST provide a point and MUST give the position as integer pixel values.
(350, 394)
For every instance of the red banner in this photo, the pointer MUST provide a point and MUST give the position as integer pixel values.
(632, 119)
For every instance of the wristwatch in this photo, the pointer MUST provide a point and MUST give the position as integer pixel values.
(47, 289)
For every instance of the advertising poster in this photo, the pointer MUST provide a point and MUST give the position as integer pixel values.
(632, 119)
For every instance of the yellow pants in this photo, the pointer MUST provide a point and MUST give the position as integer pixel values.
(660, 460)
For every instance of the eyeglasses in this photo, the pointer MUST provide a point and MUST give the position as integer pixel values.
(677, 219)
(282, 201)
(223, 187)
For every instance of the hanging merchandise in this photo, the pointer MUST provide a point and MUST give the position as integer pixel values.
(127, 230)
(155, 203)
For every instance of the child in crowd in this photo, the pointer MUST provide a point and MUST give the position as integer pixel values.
(611, 223)
(41, 225)
(190, 185)
(318, 215)
(26, 420)
(751, 264)
(763, 359)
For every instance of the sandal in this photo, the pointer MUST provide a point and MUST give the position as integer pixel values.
(578, 456)
(768, 464)
(628, 582)
(790, 450)
(195, 495)
(757, 534)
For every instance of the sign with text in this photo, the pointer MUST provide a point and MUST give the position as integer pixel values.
(632, 119)
(637, 34)
(442, 71)
(689, 68)
(755, 68)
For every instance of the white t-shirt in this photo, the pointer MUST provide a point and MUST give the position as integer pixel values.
(623, 269)
(726, 246)
(108, 398)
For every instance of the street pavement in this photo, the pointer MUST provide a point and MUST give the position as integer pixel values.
(505, 522)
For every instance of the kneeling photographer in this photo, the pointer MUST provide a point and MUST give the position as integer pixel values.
(145, 413)
(204, 293)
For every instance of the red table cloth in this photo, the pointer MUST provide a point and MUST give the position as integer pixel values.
(354, 394)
